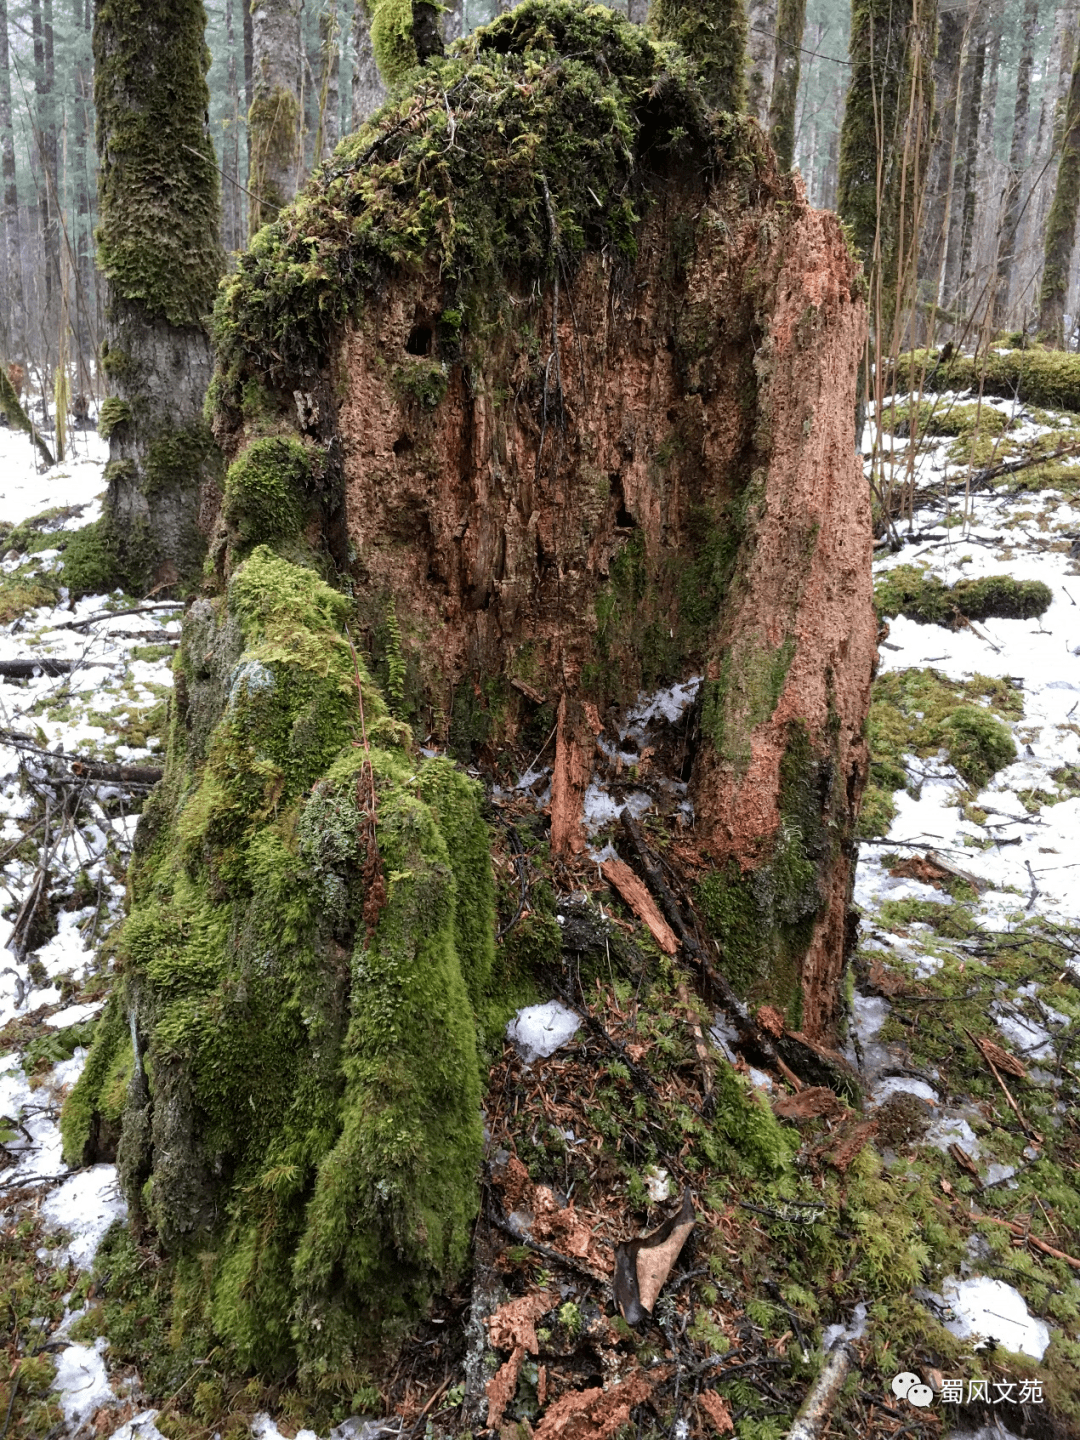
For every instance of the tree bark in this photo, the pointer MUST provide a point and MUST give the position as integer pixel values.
(953, 33)
(1061, 225)
(962, 227)
(14, 312)
(274, 120)
(884, 142)
(368, 91)
(159, 250)
(454, 21)
(791, 21)
(1008, 232)
(85, 319)
(231, 208)
(329, 131)
(760, 58)
(713, 33)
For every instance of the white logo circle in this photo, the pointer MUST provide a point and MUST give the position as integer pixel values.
(903, 1382)
(920, 1395)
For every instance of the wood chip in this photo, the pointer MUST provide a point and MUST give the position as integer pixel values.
(809, 1104)
(596, 1414)
(619, 875)
(1001, 1058)
(964, 1160)
(770, 1019)
(716, 1412)
(528, 692)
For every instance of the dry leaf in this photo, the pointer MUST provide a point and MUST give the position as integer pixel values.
(809, 1104)
(513, 1327)
(596, 1414)
(716, 1411)
(643, 1265)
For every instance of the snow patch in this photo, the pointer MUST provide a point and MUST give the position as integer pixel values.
(540, 1030)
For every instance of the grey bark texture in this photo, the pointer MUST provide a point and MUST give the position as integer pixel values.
(368, 91)
(329, 80)
(1015, 190)
(962, 224)
(275, 118)
(1061, 225)
(954, 23)
(12, 273)
(760, 58)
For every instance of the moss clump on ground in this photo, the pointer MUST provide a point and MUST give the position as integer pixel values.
(933, 418)
(1034, 376)
(920, 712)
(325, 1041)
(922, 596)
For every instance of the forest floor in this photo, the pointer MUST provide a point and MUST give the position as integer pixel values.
(913, 1212)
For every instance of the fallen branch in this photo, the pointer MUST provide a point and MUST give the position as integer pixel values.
(28, 669)
(816, 1411)
(1012, 467)
(17, 417)
(621, 878)
(119, 614)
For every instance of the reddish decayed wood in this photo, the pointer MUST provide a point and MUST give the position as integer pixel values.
(619, 874)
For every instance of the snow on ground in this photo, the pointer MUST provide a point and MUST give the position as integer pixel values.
(110, 694)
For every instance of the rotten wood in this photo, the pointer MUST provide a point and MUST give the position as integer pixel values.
(621, 878)
(28, 669)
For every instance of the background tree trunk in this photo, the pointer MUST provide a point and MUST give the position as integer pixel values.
(13, 289)
(159, 249)
(274, 121)
(232, 228)
(962, 227)
(1061, 225)
(791, 22)
(954, 27)
(329, 132)
(1015, 191)
(760, 58)
(713, 32)
(368, 91)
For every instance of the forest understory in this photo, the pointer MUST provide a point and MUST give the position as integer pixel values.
(906, 1207)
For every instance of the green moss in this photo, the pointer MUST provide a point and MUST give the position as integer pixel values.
(920, 712)
(151, 99)
(93, 563)
(922, 596)
(1035, 376)
(931, 417)
(713, 33)
(265, 489)
(392, 38)
(274, 126)
(114, 413)
(26, 589)
(329, 1183)
(763, 918)
(748, 690)
(95, 1100)
(420, 382)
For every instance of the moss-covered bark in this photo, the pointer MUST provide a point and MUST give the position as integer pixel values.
(159, 251)
(713, 34)
(1061, 225)
(274, 119)
(790, 23)
(884, 141)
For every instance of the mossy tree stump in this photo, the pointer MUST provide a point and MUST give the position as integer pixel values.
(546, 377)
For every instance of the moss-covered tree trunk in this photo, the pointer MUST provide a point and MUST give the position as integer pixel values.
(790, 23)
(713, 32)
(962, 224)
(329, 81)
(159, 251)
(884, 144)
(275, 118)
(760, 58)
(954, 29)
(1061, 224)
(1016, 192)
(13, 286)
(561, 415)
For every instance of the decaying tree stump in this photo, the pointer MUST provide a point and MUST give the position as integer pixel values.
(549, 375)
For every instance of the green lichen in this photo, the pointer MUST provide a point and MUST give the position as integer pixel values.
(924, 597)
(305, 1137)
(265, 490)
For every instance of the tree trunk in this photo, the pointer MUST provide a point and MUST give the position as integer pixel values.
(713, 32)
(46, 158)
(329, 132)
(82, 239)
(454, 21)
(274, 121)
(1015, 192)
(231, 209)
(791, 21)
(1061, 225)
(760, 58)
(637, 11)
(520, 461)
(953, 32)
(368, 91)
(14, 310)
(159, 251)
(962, 227)
(884, 143)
